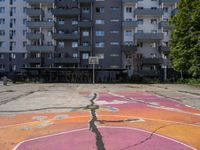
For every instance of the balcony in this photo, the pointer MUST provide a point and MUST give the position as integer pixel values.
(149, 12)
(149, 36)
(174, 12)
(129, 48)
(165, 25)
(66, 12)
(149, 73)
(152, 61)
(65, 36)
(67, 60)
(130, 1)
(85, 24)
(42, 24)
(34, 12)
(34, 36)
(85, 48)
(85, 1)
(169, 2)
(33, 60)
(164, 49)
(33, 2)
(41, 48)
(129, 24)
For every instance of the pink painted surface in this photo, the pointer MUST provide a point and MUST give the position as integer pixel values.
(147, 98)
(114, 139)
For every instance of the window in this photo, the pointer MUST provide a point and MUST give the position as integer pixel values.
(13, 56)
(114, 43)
(74, 21)
(74, 44)
(128, 33)
(165, 9)
(2, 32)
(1, 44)
(153, 44)
(114, 32)
(85, 33)
(85, 56)
(114, 20)
(128, 9)
(115, 8)
(61, 21)
(61, 44)
(2, 21)
(86, 10)
(99, 33)
(2, 67)
(99, 10)
(1, 56)
(154, 31)
(24, 43)
(166, 33)
(99, 44)
(140, 21)
(153, 21)
(2, 9)
(100, 56)
(139, 44)
(140, 31)
(99, 21)
(75, 55)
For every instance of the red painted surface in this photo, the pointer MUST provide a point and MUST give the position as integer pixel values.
(115, 139)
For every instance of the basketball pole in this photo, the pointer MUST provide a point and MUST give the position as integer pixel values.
(93, 73)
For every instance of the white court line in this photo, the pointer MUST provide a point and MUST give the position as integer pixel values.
(114, 127)
(146, 103)
(123, 116)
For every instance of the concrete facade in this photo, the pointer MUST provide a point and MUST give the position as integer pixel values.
(124, 34)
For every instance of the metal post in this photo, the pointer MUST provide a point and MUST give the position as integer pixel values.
(165, 73)
(93, 73)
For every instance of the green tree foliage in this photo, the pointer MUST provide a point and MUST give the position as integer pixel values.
(185, 44)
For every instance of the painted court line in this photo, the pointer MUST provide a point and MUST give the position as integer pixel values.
(114, 127)
(122, 116)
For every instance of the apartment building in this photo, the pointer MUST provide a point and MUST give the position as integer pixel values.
(53, 39)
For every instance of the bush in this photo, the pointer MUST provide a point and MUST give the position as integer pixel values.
(191, 81)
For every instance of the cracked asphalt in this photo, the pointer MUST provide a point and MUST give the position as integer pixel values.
(99, 117)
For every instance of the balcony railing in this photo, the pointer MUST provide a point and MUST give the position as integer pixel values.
(129, 47)
(147, 73)
(149, 36)
(85, 24)
(66, 12)
(85, 1)
(149, 12)
(174, 12)
(165, 25)
(85, 48)
(42, 24)
(171, 2)
(129, 24)
(34, 12)
(34, 59)
(130, 1)
(68, 60)
(40, 1)
(41, 48)
(164, 49)
(34, 36)
(152, 61)
(65, 36)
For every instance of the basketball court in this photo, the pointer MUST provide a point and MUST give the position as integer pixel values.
(128, 118)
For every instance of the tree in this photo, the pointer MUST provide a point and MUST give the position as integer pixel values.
(185, 45)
